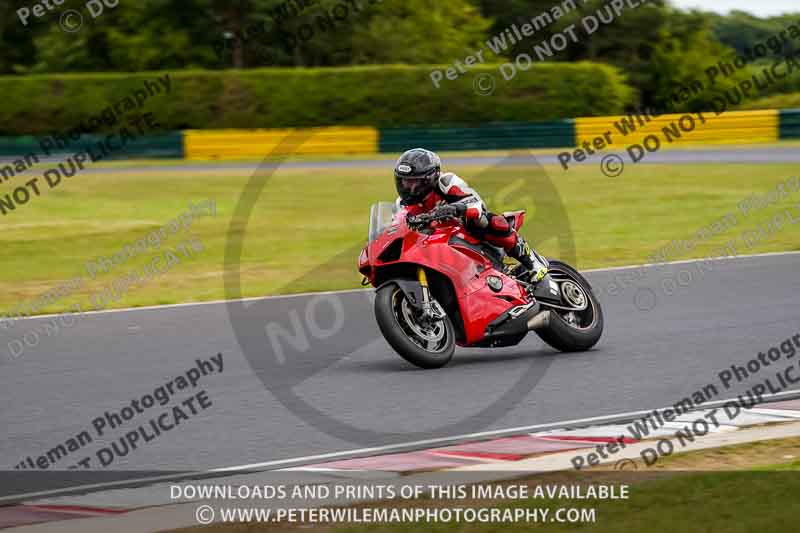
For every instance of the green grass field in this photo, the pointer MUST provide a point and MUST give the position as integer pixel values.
(730, 502)
(304, 219)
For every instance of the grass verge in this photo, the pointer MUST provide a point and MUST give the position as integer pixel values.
(307, 226)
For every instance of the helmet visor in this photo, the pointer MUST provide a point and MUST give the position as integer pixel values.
(413, 189)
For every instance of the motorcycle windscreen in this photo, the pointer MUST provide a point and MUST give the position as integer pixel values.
(381, 216)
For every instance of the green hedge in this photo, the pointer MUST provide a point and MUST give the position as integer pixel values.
(381, 96)
(779, 101)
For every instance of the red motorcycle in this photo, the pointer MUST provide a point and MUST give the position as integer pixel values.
(438, 287)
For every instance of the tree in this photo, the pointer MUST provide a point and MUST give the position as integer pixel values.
(419, 31)
(658, 47)
(16, 41)
(742, 31)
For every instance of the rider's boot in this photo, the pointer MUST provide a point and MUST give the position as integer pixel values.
(535, 264)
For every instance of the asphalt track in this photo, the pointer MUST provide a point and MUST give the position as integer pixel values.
(660, 345)
(743, 155)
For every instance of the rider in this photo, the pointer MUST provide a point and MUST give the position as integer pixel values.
(421, 183)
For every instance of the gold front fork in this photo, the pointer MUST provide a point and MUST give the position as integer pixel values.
(428, 309)
(426, 298)
(423, 279)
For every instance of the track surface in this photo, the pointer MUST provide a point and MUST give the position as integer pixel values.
(771, 154)
(647, 359)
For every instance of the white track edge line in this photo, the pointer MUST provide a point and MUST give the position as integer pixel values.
(11, 320)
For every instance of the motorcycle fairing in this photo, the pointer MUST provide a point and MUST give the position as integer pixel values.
(466, 268)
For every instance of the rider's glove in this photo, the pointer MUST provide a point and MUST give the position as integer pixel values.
(414, 222)
(452, 210)
(461, 208)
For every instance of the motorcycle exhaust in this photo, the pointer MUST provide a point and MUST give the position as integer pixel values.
(539, 321)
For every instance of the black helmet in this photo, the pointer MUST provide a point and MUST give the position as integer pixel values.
(415, 175)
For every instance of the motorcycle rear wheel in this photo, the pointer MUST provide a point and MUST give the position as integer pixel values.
(585, 329)
(424, 344)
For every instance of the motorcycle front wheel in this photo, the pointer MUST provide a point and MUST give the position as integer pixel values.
(422, 342)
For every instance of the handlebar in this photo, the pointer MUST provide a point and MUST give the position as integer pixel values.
(427, 218)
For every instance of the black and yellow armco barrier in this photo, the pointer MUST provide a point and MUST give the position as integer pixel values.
(502, 136)
(163, 146)
(733, 127)
(254, 144)
(758, 126)
(790, 124)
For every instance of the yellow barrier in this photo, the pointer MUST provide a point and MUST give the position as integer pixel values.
(256, 144)
(729, 127)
